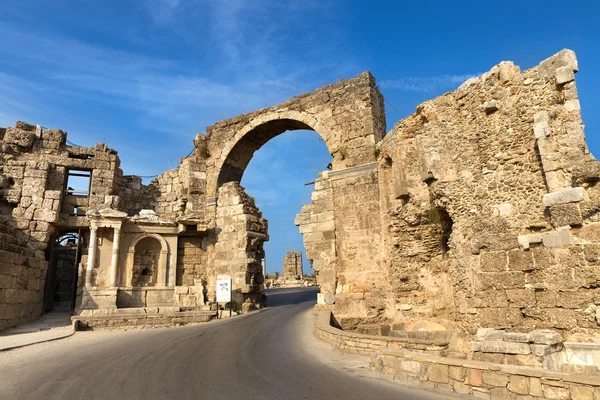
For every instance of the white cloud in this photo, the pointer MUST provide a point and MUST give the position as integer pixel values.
(156, 88)
(428, 84)
(44, 73)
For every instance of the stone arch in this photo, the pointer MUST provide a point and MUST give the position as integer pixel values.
(348, 115)
(162, 269)
(238, 151)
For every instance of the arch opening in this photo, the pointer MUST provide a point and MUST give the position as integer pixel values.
(281, 177)
(241, 153)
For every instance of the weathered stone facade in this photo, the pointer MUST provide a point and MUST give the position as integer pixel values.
(34, 164)
(239, 247)
(491, 191)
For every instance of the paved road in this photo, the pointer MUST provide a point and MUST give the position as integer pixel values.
(270, 354)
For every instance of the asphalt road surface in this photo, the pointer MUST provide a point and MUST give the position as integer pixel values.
(271, 354)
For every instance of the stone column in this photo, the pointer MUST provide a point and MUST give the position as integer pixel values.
(114, 262)
(89, 273)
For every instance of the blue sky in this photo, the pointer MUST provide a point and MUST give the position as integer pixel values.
(146, 76)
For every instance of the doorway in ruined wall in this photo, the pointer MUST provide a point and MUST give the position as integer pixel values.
(280, 175)
(61, 279)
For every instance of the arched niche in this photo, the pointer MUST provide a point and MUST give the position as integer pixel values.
(147, 261)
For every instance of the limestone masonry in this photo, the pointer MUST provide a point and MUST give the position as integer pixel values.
(292, 265)
(479, 211)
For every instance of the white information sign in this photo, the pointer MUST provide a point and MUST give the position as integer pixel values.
(223, 290)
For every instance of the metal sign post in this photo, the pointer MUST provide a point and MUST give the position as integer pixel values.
(224, 291)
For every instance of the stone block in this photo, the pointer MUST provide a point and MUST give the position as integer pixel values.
(592, 253)
(565, 196)
(579, 392)
(565, 214)
(438, 373)
(564, 75)
(475, 377)
(492, 334)
(411, 367)
(501, 317)
(493, 261)
(542, 350)
(480, 393)
(590, 233)
(535, 387)
(19, 137)
(518, 337)
(52, 194)
(456, 373)
(53, 135)
(558, 318)
(520, 297)
(564, 58)
(526, 240)
(461, 388)
(482, 332)
(519, 260)
(546, 336)
(518, 384)
(572, 105)
(556, 393)
(46, 215)
(500, 280)
(557, 238)
(493, 378)
(505, 347)
(499, 393)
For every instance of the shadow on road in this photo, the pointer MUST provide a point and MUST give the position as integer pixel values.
(284, 297)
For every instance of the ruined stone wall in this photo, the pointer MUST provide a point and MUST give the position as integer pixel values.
(317, 226)
(174, 193)
(292, 265)
(22, 275)
(34, 162)
(489, 202)
(165, 195)
(341, 232)
(171, 192)
(360, 288)
(137, 196)
(239, 248)
(192, 260)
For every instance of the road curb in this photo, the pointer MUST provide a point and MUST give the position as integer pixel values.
(43, 336)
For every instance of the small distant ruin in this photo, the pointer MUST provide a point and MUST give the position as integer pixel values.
(292, 266)
(480, 210)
